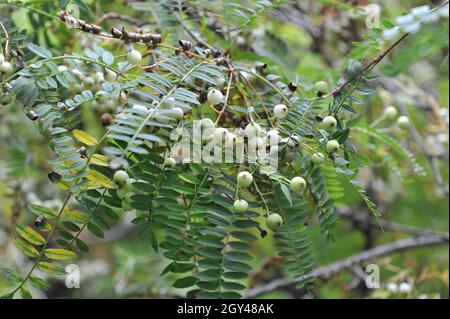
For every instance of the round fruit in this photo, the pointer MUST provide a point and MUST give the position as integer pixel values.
(391, 113)
(177, 113)
(329, 122)
(354, 69)
(110, 75)
(403, 122)
(6, 67)
(274, 221)
(321, 87)
(273, 137)
(252, 130)
(62, 68)
(332, 146)
(2, 58)
(134, 56)
(120, 177)
(280, 111)
(298, 184)
(220, 134)
(215, 97)
(207, 123)
(318, 158)
(240, 205)
(170, 162)
(244, 179)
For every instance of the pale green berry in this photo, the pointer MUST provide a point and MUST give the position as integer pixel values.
(321, 87)
(6, 67)
(244, 179)
(252, 130)
(134, 56)
(169, 162)
(280, 111)
(329, 122)
(391, 113)
(318, 158)
(274, 221)
(298, 184)
(2, 58)
(240, 205)
(214, 97)
(403, 122)
(332, 146)
(177, 113)
(120, 177)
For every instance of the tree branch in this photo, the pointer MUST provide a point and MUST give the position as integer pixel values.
(328, 271)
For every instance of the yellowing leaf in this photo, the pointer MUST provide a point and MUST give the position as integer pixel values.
(51, 268)
(84, 137)
(30, 235)
(75, 216)
(43, 211)
(99, 160)
(99, 179)
(25, 247)
(63, 185)
(59, 254)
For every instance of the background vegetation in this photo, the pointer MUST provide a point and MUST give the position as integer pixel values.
(404, 171)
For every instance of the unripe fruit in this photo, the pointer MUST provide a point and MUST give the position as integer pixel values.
(240, 205)
(403, 122)
(329, 122)
(274, 221)
(332, 146)
(106, 119)
(177, 113)
(244, 179)
(6, 67)
(354, 69)
(280, 111)
(391, 113)
(321, 87)
(110, 75)
(2, 58)
(318, 158)
(298, 184)
(169, 162)
(120, 177)
(99, 77)
(273, 137)
(134, 56)
(252, 130)
(215, 97)
(220, 134)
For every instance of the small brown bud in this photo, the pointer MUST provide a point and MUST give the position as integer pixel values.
(83, 152)
(116, 33)
(54, 177)
(106, 119)
(185, 45)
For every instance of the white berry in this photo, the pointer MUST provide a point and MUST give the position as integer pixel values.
(240, 205)
(298, 184)
(318, 158)
(332, 146)
(215, 97)
(403, 122)
(134, 56)
(391, 112)
(252, 130)
(280, 111)
(329, 122)
(170, 162)
(244, 179)
(6, 67)
(120, 177)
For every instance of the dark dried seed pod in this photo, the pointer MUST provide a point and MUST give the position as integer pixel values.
(134, 37)
(292, 86)
(146, 38)
(221, 61)
(262, 231)
(86, 27)
(54, 177)
(32, 116)
(96, 29)
(116, 33)
(125, 34)
(83, 152)
(217, 54)
(260, 66)
(207, 52)
(185, 45)
(156, 38)
(62, 15)
(39, 221)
